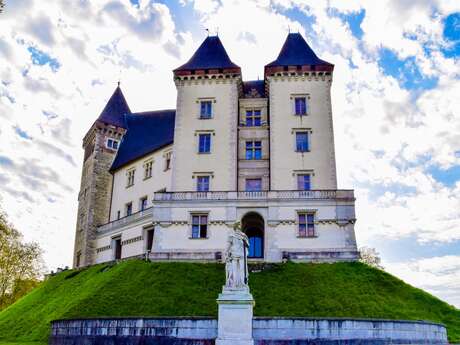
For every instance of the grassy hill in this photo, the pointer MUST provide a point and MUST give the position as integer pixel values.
(138, 288)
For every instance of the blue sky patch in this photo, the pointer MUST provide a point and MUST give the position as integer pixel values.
(447, 177)
(451, 33)
(23, 134)
(406, 71)
(41, 58)
(353, 20)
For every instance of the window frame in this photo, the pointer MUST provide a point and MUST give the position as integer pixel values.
(128, 207)
(253, 117)
(141, 203)
(306, 228)
(168, 157)
(305, 132)
(148, 169)
(305, 110)
(253, 179)
(253, 149)
(115, 143)
(202, 228)
(298, 175)
(130, 177)
(203, 135)
(211, 109)
(198, 177)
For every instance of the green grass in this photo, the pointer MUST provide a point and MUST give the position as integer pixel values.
(138, 288)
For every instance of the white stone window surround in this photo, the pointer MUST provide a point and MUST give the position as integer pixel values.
(307, 100)
(198, 213)
(197, 174)
(205, 99)
(113, 239)
(130, 177)
(148, 168)
(310, 172)
(306, 212)
(168, 157)
(145, 230)
(309, 132)
(141, 200)
(197, 135)
(112, 144)
(128, 205)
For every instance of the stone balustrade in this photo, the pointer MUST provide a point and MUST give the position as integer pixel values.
(146, 213)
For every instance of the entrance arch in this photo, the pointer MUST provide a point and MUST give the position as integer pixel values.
(252, 225)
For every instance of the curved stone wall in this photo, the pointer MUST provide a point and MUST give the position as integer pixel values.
(266, 331)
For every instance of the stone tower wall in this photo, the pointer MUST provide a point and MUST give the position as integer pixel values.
(95, 190)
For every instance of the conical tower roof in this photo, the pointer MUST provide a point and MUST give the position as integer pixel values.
(115, 110)
(297, 52)
(211, 54)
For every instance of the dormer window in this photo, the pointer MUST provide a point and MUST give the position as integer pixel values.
(112, 144)
(205, 109)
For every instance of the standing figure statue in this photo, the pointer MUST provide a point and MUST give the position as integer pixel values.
(235, 263)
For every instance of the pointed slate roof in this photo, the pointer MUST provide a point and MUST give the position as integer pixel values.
(211, 54)
(115, 110)
(147, 132)
(297, 52)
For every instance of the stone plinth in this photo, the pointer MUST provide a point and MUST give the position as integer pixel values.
(235, 317)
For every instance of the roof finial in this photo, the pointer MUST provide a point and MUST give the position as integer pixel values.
(289, 29)
(217, 31)
(207, 31)
(119, 77)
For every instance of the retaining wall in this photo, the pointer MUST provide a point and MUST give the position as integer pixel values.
(266, 331)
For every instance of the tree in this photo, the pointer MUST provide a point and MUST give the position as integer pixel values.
(20, 263)
(370, 257)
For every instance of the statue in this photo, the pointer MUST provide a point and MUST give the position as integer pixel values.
(236, 264)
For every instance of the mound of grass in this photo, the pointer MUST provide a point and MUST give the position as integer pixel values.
(138, 288)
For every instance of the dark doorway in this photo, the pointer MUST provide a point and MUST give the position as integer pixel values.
(253, 226)
(117, 242)
(149, 240)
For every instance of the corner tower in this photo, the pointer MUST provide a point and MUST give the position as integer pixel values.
(302, 151)
(205, 136)
(100, 144)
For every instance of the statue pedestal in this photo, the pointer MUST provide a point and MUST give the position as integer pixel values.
(235, 317)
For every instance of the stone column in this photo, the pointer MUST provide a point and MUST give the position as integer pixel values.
(235, 317)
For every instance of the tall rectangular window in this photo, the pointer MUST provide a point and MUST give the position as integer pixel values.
(204, 145)
(129, 209)
(301, 140)
(306, 225)
(199, 226)
(148, 168)
(253, 150)
(300, 104)
(143, 203)
(202, 183)
(117, 249)
(118, 215)
(205, 109)
(253, 185)
(253, 118)
(149, 244)
(112, 144)
(304, 182)
(168, 160)
(130, 178)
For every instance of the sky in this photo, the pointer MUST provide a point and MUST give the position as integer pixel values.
(395, 99)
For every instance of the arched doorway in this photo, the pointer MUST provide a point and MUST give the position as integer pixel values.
(253, 226)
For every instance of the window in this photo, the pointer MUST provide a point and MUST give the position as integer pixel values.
(118, 214)
(77, 263)
(300, 104)
(202, 183)
(168, 160)
(129, 209)
(301, 142)
(112, 144)
(199, 225)
(148, 167)
(304, 182)
(205, 109)
(130, 178)
(143, 203)
(204, 145)
(253, 150)
(253, 118)
(306, 225)
(254, 185)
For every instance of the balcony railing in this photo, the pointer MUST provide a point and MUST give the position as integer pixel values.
(283, 194)
(148, 212)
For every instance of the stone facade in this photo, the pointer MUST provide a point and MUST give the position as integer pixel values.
(94, 198)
